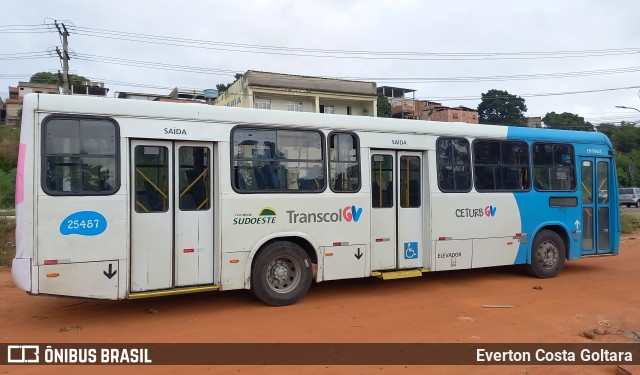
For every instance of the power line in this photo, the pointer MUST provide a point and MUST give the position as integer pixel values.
(511, 77)
(205, 70)
(153, 65)
(446, 99)
(24, 29)
(350, 54)
(25, 55)
(128, 84)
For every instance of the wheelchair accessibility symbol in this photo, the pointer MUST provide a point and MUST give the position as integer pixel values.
(410, 250)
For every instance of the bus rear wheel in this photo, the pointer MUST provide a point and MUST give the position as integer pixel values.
(281, 274)
(547, 255)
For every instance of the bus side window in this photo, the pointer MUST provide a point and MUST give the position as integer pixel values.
(344, 163)
(453, 165)
(278, 160)
(81, 156)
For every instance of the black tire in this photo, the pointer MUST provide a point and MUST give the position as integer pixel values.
(637, 204)
(281, 274)
(548, 254)
(628, 205)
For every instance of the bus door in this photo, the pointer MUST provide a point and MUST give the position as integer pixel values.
(396, 210)
(595, 203)
(171, 214)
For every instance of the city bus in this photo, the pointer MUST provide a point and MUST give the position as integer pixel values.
(120, 199)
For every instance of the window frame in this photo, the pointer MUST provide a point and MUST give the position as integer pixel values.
(575, 173)
(167, 165)
(258, 103)
(394, 197)
(208, 184)
(358, 157)
(500, 142)
(323, 145)
(43, 155)
(295, 106)
(470, 165)
(420, 180)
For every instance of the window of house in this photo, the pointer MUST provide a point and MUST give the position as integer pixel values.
(80, 156)
(344, 163)
(553, 167)
(454, 165)
(501, 165)
(327, 109)
(262, 103)
(294, 106)
(277, 160)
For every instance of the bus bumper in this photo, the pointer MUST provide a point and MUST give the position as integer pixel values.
(21, 272)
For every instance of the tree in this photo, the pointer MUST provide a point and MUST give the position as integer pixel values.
(567, 121)
(221, 87)
(384, 107)
(498, 107)
(626, 138)
(54, 79)
(606, 129)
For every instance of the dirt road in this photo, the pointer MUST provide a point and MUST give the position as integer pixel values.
(440, 307)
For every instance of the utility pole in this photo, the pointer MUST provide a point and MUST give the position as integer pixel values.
(64, 56)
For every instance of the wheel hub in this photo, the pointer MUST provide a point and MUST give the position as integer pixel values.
(282, 275)
(548, 254)
(280, 272)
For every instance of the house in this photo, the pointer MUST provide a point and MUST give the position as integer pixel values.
(141, 96)
(3, 111)
(90, 88)
(25, 88)
(534, 122)
(401, 106)
(180, 93)
(13, 104)
(410, 108)
(265, 90)
(455, 114)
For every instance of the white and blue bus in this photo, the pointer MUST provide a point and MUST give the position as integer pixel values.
(124, 199)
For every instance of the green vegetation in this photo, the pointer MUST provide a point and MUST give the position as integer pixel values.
(55, 79)
(384, 107)
(9, 140)
(498, 107)
(566, 121)
(222, 87)
(7, 239)
(629, 224)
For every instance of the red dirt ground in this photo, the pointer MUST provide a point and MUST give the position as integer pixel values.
(436, 308)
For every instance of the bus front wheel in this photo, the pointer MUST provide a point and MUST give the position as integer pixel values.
(281, 274)
(547, 255)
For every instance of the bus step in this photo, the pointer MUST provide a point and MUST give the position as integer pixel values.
(167, 292)
(403, 274)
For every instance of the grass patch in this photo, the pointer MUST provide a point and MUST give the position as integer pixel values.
(7, 241)
(629, 224)
(9, 141)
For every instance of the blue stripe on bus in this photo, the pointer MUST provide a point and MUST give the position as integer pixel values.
(534, 208)
(554, 135)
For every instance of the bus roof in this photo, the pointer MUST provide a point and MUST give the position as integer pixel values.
(208, 113)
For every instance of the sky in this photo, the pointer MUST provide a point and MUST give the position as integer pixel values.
(448, 51)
